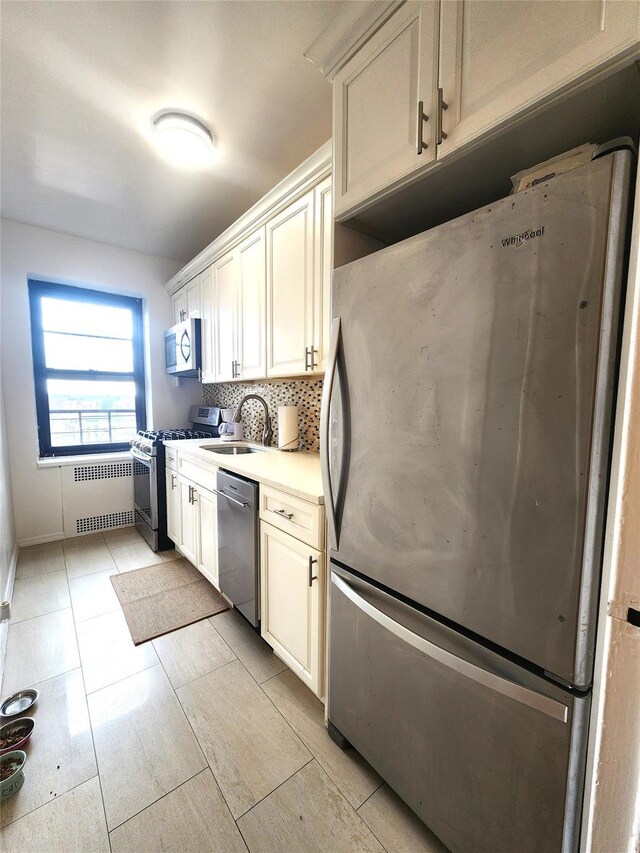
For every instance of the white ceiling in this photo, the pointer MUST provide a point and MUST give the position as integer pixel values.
(81, 81)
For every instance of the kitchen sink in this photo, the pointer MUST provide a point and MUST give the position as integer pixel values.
(234, 451)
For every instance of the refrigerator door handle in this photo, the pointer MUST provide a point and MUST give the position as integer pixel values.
(325, 417)
(488, 679)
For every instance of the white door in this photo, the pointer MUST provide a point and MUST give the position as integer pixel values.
(292, 580)
(179, 301)
(207, 335)
(225, 316)
(323, 255)
(193, 297)
(188, 540)
(290, 288)
(206, 505)
(380, 127)
(252, 344)
(499, 57)
(173, 506)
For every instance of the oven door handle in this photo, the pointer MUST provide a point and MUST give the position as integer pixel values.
(143, 457)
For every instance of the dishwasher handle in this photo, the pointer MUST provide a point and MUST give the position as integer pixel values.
(229, 498)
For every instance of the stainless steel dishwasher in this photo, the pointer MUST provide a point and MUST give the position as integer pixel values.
(238, 568)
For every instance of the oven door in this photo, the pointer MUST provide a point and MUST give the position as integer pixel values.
(145, 493)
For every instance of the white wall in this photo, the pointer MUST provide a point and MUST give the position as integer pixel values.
(612, 803)
(30, 252)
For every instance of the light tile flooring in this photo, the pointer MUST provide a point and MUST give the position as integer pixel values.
(201, 740)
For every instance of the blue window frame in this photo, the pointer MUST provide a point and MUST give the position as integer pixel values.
(88, 364)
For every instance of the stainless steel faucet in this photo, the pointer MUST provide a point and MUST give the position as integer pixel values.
(267, 432)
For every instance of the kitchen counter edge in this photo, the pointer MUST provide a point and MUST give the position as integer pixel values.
(297, 472)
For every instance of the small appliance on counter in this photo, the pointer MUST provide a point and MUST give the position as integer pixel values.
(231, 430)
(149, 488)
(182, 349)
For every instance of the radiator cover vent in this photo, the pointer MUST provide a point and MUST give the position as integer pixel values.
(103, 522)
(102, 472)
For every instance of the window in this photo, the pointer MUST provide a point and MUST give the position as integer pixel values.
(88, 368)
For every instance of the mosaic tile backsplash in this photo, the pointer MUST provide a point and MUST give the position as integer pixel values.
(306, 394)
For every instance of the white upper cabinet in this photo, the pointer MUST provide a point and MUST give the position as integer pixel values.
(384, 100)
(473, 65)
(225, 316)
(499, 57)
(207, 337)
(323, 254)
(252, 343)
(290, 288)
(186, 301)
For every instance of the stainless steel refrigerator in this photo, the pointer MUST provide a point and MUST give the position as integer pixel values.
(465, 441)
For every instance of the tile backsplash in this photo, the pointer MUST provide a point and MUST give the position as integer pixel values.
(306, 394)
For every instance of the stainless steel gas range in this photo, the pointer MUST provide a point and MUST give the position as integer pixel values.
(147, 449)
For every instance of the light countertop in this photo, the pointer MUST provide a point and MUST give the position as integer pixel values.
(297, 473)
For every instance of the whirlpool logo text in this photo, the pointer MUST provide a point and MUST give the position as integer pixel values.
(524, 237)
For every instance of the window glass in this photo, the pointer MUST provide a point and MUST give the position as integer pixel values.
(64, 351)
(88, 368)
(81, 317)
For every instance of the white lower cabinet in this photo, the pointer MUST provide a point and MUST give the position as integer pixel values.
(188, 538)
(192, 523)
(173, 506)
(207, 512)
(292, 602)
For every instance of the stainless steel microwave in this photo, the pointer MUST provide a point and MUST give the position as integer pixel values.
(182, 348)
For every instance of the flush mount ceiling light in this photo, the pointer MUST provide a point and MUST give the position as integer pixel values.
(184, 139)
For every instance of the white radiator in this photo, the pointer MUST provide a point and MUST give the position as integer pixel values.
(96, 497)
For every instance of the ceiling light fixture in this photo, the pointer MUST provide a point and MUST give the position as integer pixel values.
(184, 139)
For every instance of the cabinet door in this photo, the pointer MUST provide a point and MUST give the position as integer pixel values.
(193, 297)
(206, 326)
(323, 254)
(179, 300)
(499, 57)
(291, 601)
(225, 316)
(188, 540)
(206, 508)
(173, 506)
(252, 345)
(290, 288)
(379, 128)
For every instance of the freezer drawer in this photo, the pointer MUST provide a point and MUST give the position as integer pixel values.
(488, 755)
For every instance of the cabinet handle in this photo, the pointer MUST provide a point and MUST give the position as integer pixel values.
(190, 494)
(288, 515)
(306, 358)
(312, 577)
(312, 352)
(237, 369)
(420, 118)
(440, 134)
(173, 481)
(233, 370)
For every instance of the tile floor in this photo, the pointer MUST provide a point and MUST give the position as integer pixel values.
(201, 740)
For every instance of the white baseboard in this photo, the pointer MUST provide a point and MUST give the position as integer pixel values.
(8, 595)
(40, 540)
